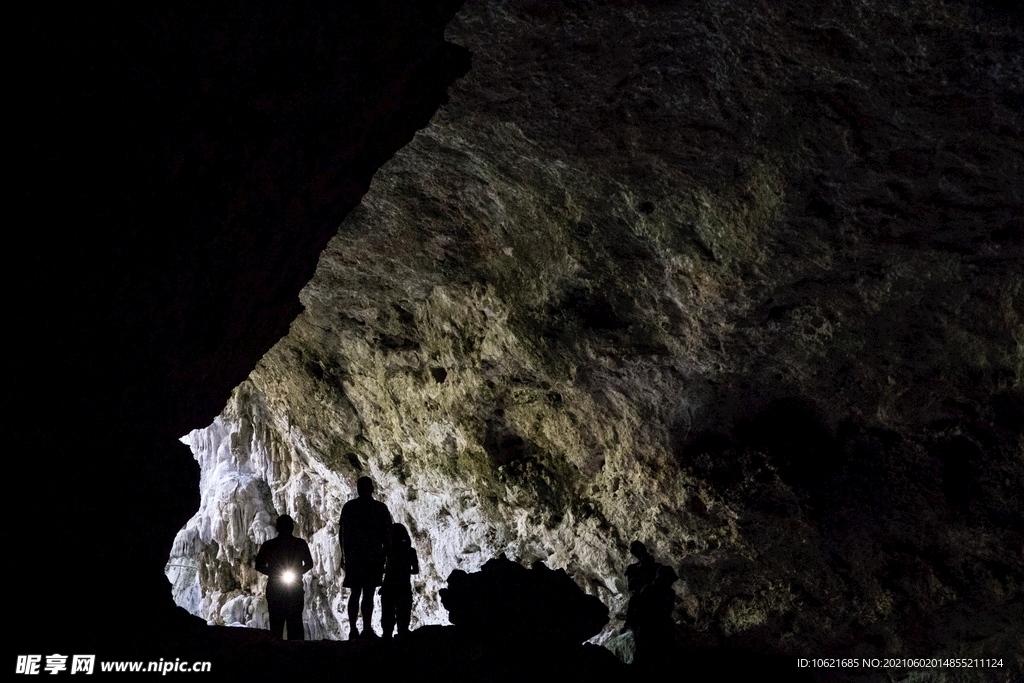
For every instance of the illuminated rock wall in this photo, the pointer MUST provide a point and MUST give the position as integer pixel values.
(697, 274)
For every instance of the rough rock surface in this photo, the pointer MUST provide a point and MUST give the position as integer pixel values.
(741, 280)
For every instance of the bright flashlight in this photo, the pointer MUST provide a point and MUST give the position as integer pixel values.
(288, 576)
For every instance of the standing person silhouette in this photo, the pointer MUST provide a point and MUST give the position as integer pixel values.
(365, 533)
(396, 593)
(284, 560)
(638, 575)
(653, 624)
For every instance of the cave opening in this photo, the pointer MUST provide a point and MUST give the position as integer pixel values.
(737, 281)
(547, 336)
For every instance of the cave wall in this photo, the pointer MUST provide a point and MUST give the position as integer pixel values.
(741, 280)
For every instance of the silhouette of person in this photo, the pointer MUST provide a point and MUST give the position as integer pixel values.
(638, 575)
(284, 560)
(364, 532)
(654, 627)
(396, 592)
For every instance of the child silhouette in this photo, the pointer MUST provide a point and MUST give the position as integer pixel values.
(396, 592)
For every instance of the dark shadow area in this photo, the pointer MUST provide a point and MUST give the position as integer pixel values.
(505, 601)
(503, 445)
(180, 170)
(855, 468)
(874, 508)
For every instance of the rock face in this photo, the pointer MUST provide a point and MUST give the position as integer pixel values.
(739, 280)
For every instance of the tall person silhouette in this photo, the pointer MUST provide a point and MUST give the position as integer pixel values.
(284, 560)
(365, 536)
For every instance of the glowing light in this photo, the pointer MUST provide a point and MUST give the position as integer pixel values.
(288, 576)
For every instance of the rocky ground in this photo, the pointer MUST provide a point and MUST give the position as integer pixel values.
(739, 280)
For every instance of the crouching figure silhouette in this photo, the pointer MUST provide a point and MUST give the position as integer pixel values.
(284, 560)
